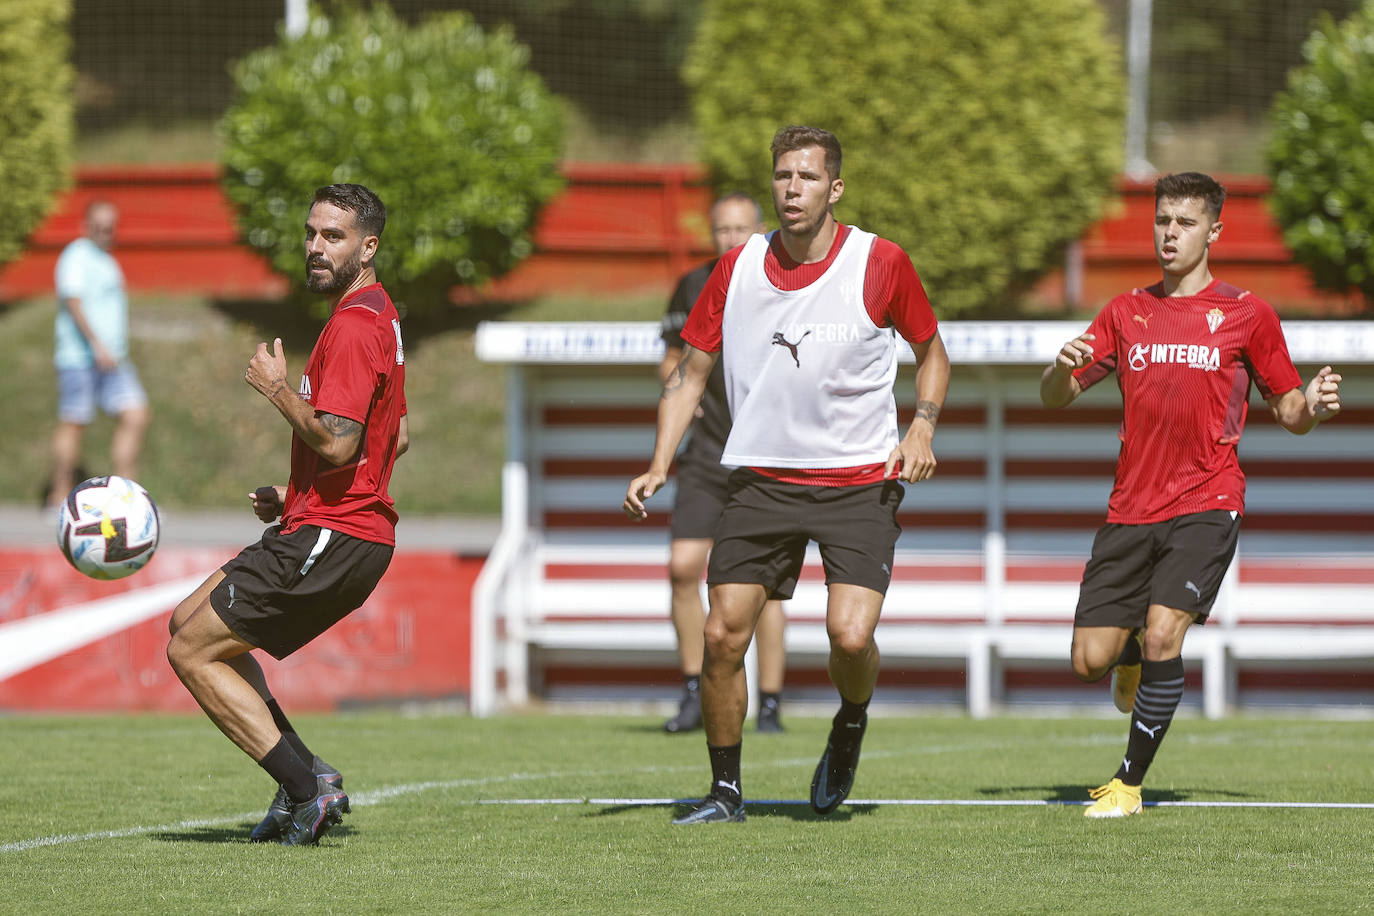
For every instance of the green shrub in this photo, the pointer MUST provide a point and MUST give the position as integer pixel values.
(35, 114)
(1321, 155)
(981, 137)
(445, 122)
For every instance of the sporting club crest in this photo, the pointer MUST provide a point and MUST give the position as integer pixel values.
(1214, 319)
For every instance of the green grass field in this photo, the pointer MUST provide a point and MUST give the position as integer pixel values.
(151, 814)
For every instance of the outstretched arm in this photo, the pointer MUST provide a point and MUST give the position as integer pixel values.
(1299, 409)
(914, 454)
(682, 392)
(334, 438)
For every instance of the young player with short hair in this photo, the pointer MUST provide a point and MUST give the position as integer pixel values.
(1185, 352)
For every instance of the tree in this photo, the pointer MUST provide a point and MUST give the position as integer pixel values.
(35, 114)
(444, 121)
(1321, 155)
(982, 137)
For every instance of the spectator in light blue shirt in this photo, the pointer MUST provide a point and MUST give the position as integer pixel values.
(92, 354)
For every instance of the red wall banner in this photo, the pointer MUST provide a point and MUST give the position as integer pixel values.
(410, 641)
(614, 228)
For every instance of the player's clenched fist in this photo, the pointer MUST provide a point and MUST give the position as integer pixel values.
(1324, 394)
(1077, 353)
(267, 371)
(268, 502)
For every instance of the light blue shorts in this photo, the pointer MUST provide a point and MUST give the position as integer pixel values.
(80, 390)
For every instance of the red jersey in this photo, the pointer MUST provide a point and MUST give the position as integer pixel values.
(893, 297)
(357, 370)
(1184, 365)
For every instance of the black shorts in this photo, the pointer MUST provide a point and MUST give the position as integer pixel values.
(285, 590)
(766, 525)
(1178, 563)
(703, 486)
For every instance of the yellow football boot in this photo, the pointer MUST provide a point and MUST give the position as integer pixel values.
(1115, 799)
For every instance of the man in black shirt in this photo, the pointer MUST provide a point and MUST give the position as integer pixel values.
(701, 492)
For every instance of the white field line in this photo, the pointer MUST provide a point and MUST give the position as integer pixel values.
(31, 641)
(392, 792)
(377, 796)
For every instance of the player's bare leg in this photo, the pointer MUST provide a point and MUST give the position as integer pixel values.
(66, 455)
(199, 652)
(246, 665)
(1092, 657)
(735, 610)
(1165, 629)
(770, 636)
(217, 668)
(248, 668)
(192, 602)
(1095, 650)
(851, 616)
(686, 563)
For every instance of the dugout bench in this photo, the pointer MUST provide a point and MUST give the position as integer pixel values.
(988, 565)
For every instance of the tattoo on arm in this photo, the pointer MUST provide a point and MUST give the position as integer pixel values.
(340, 427)
(928, 411)
(674, 380)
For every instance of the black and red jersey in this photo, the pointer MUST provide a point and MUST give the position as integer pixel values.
(356, 370)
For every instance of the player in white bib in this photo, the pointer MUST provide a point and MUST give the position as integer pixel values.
(805, 320)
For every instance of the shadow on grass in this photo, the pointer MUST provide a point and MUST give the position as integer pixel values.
(795, 811)
(238, 834)
(751, 731)
(656, 728)
(1079, 793)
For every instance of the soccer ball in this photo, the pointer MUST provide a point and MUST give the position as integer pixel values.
(108, 527)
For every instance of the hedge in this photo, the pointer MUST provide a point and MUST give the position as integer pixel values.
(981, 137)
(1321, 155)
(444, 121)
(36, 128)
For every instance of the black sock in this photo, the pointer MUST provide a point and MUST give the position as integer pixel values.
(1161, 689)
(286, 766)
(851, 712)
(769, 702)
(288, 731)
(1130, 655)
(725, 772)
(691, 683)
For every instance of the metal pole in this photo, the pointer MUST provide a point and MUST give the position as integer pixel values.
(1138, 82)
(297, 17)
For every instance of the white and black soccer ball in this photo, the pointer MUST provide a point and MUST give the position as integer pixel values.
(108, 527)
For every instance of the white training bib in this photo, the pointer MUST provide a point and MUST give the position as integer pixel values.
(808, 373)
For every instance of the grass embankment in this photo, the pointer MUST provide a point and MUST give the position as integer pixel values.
(213, 438)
